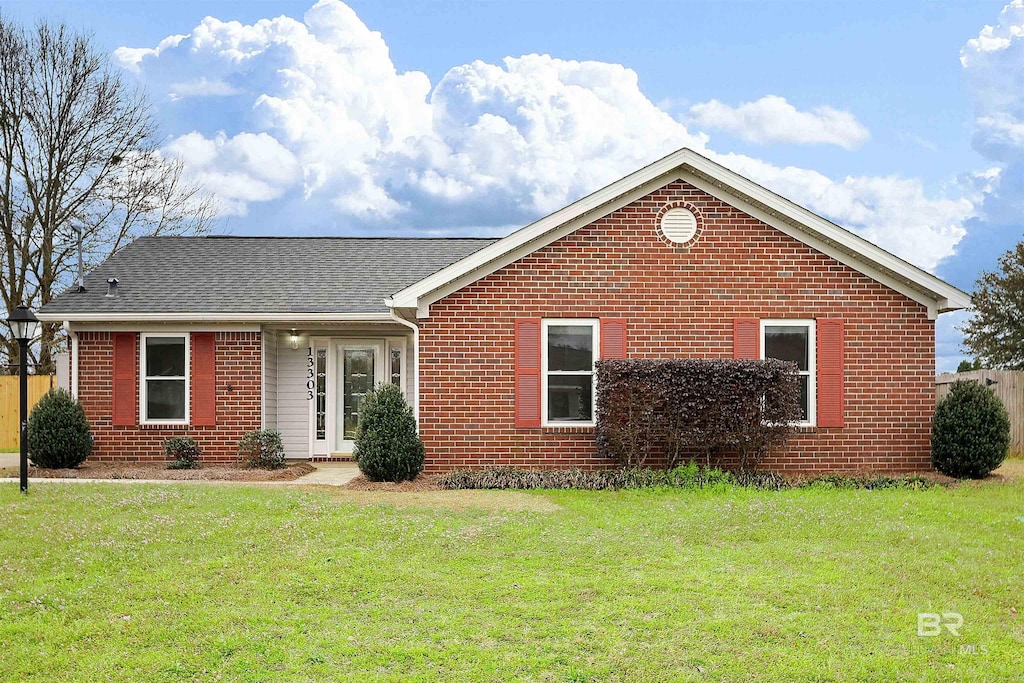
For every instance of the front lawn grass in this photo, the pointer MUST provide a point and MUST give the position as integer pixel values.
(134, 582)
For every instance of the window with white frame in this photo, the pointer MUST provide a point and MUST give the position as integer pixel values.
(793, 340)
(568, 351)
(163, 393)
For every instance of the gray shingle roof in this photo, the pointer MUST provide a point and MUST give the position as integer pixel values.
(259, 274)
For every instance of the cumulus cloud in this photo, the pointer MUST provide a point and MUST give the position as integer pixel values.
(772, 119)
(241, 170)
(993, 65)
(491, 146)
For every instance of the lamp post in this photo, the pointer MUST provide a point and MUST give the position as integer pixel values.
(23, 326)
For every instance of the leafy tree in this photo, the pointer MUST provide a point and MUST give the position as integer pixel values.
(78, 153)
(995, 331)
(967, 366)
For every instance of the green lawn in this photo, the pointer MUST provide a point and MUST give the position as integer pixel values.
(189, 582)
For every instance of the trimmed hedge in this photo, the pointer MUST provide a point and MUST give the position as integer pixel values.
(689, 476)
(680, 406)
(970, 431)
(58, 432)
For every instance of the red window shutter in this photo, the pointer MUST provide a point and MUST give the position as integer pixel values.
(831, 361)
(125, 378)
(746, 338)
(527, 353)
(204, 379)
(613, 338)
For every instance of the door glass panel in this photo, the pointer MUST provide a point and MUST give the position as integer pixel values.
(357, 381)
(321, 394)
(396, 366)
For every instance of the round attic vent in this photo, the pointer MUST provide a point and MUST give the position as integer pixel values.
(678, 225)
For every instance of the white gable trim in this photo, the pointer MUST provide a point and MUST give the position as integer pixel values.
(794, 220)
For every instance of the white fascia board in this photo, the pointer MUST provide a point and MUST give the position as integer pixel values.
(855, 251)
(266, 317)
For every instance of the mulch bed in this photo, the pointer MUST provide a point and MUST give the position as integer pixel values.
(424, 482)
(109, 470)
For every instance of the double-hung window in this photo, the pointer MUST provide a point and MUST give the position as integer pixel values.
(793, 340)
(163, 394)
(568, 351)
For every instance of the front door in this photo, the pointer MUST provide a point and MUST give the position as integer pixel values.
(358, 368)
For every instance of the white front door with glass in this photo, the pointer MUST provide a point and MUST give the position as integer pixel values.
(341, 373)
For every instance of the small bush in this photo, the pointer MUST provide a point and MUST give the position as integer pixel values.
(387, 447)
(183, 453)
(262, 449)
(58, 431)
(970, 432)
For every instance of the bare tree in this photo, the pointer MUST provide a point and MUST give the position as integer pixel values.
(78, 152)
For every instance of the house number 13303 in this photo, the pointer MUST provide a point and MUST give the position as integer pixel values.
(310, 375)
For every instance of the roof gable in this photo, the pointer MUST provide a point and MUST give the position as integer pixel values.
(718, 181)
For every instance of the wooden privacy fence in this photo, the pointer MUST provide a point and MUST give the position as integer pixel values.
(9, 387)
(1008, 385)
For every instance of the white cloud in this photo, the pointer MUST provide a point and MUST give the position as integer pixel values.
(203, 87)
(994, 66)
(241, 170)
(772, 119)
(492, 145)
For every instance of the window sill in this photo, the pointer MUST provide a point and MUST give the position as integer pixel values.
(567, 429)
(164, 425)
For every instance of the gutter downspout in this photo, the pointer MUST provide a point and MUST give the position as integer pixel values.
(73, 336)
(415, 362)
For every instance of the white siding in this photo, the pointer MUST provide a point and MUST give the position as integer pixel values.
(269, 379)
(292, 403)
(289, 392)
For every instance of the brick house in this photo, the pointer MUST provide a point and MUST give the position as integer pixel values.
(493, 341)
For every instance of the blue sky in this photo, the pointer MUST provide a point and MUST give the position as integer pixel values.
(902, 121)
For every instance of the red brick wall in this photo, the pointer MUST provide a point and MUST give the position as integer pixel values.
(238, 407)
(678, 302)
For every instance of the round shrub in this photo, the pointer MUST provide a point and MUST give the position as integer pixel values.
(970, 432)
(387, 447)
(58, 431)
(262, 449)
(183, 452)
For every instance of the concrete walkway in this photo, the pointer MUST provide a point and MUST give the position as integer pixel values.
(10, 459)
(326, 474)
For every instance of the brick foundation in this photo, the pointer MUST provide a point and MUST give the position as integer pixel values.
(238, 402)
(678, 302)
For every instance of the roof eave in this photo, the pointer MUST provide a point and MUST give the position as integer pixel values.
(213, 317)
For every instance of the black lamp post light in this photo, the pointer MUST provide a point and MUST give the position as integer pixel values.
(23, 324)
